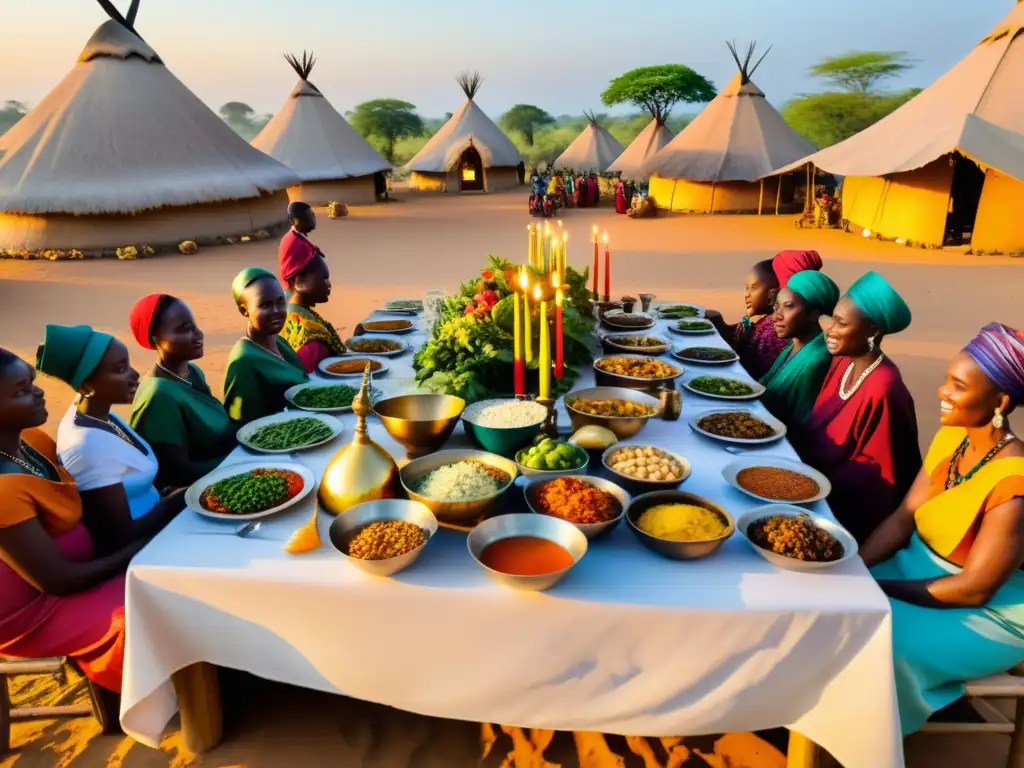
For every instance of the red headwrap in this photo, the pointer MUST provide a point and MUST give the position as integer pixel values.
(788, 263)
(141, 318)
(294, 255)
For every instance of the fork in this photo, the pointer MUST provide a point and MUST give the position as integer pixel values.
(243, 531)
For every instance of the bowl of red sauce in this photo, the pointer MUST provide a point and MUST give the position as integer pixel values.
(527, 551)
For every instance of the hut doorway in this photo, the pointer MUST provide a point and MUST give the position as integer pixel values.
(471, 171)
(964, 197)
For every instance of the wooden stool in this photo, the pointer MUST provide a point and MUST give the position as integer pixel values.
(103, 704)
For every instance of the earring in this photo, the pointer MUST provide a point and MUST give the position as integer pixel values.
(998, 421)
(871, 343)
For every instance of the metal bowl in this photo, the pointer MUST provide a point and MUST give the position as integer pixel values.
(677, 550)
(348, 524)
(791, 563)
(605, 379)
(613, 344)
(421, 423)
(639, 485)
(526, 471)
(457, 512)
(623, 426)
(590, 530)
(542, 526)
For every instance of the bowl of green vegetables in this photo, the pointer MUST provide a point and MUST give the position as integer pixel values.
(319, 397)
(552, 458)
(289, 431)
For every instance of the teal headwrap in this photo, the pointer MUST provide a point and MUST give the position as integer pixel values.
(247, 277)
(816, 289)
(71, 352)
(880, 302)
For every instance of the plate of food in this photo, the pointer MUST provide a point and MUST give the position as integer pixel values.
(251, 490)
(794, 539)
(389, 326)
(617, 320)
(320, 397)
(590, 503)
(741, 427)
(692, 327)
(635, 344)
(349, 367)
(289, 431)
(672, 311)
(382, 346)
(724, 387)
(777, 480)
(706, 355)
(634, 371)
(404, 306)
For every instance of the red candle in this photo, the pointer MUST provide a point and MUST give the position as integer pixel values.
(607, 269)
(559, 343)
(595, 264)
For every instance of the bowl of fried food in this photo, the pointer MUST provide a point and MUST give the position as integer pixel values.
(678, 525)
(645, 468)
(632, 343)
(795, 539)
(623, 411)
(592, 504)
(385, 536)
(635, 372)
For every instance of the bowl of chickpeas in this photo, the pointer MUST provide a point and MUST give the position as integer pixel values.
(385, 536)
(635, 372)
(624, 411)
(645, 468)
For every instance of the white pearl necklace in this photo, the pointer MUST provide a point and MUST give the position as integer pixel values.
(844, 393)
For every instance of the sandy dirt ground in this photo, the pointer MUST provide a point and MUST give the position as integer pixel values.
(400, 250)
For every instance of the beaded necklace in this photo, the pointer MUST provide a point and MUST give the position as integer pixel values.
(953, 476)
(37, 464)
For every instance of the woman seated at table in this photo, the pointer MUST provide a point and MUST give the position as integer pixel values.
(261, 366)
(950, 557)
(862, 432)
(794, 381)
(174, 409)
(113, 467)
(61, 593)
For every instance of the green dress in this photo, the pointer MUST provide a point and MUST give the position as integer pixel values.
(255, 380)
(793, 383)
(168, 412)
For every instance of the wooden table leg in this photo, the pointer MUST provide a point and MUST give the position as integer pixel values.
(202, 717)
(802, 752)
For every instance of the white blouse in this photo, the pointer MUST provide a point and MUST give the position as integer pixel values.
(97, 457)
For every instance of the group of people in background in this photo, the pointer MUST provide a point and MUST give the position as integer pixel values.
(562, 189)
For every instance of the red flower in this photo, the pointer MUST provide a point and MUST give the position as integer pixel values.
(488, 274)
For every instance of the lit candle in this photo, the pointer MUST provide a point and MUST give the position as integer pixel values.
(524, 283)
(544, 361)
(607, 270)
(594, 280)
(565, 244)
(518, 364)
(559, 342)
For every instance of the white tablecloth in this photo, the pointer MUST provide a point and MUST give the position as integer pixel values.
(628, 643)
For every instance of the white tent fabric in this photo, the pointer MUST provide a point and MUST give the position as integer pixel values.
(469, 125)
(984, 85)
(593, 150)
(739, 136)
(645, 146)
(121, 134)
(312, 138)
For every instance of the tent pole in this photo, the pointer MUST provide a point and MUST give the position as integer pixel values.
(712, 197)
(760, 199)
(778, 194)
(808, 196)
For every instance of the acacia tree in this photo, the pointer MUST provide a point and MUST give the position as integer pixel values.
(862, 71)
(387, 119)
(526, 119)
(243, 119)
(10, 113)
(658, 89)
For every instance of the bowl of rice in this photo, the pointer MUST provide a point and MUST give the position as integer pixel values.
(678, 525)
(503, 426)
(458, 486)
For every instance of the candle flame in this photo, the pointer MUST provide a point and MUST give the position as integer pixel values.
(524, 282)
(606, 238)
(554, 279)
(536, 293)
(558, 297)
(559, 222)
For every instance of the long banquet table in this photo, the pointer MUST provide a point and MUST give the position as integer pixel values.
(628, 643)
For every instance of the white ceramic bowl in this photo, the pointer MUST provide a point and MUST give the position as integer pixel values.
(732, 470)
(195, 491)
(590, 530)
(751, 516)
(245, 434)
(767, 418)
(348, 523)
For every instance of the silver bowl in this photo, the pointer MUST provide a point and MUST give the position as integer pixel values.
(590, 530)
(606, 379)
(623, 426)
(542, 526)
(455, 512)
(791, 563)
(347, 524)
(640, 485)
(677, 550)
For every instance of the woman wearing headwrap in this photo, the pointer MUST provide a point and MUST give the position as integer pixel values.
(794, 381)
(950, 557)
(174, 409)
(113, 467)
(788, 263)
(261, 366)
(862, 433)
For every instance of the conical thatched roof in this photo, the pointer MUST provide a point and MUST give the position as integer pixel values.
(467, 126)
(739, 136)
(121, 134)
(593, 150)
(312, 138)
(975, 109)
(645, 146)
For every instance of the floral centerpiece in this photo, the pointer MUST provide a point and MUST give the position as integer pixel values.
(470, 352)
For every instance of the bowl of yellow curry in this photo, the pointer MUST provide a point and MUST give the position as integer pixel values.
(678, 525)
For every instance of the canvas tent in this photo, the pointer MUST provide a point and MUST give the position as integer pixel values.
(334, 163)
(716, 163)
(469, 154)
(122, 153)
(593, 150)
(949, 164)
(631, 164)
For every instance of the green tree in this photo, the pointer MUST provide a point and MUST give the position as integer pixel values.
(389, 120)
(526, 119)
(825, 119)
(862, 71)
(243, 119)
(658, 89)
(10, 113)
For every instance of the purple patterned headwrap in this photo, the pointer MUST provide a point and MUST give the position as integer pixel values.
(999, 352)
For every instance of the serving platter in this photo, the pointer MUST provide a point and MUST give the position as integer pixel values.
(771, 421)
(291, 392)
(327, 362)
(677, 354)
(610, 318)
(195, 491)
(709, 328)
(402, 349)
(246, 433)
(731, 471)
(843, 536)
(756, 387)
(385, 331)
(400, 306)
(661, 312)
(611, 343)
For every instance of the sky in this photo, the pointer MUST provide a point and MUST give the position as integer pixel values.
(557, 54)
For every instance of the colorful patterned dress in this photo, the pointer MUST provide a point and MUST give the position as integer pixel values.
(311, 336)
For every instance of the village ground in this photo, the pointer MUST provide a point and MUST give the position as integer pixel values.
(402, 249)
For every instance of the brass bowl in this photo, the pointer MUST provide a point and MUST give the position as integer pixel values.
(347, 525)
(623, 426)
(455, 512)
(678, 550)
(605, 378)
(553, 529)
(421, 423)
